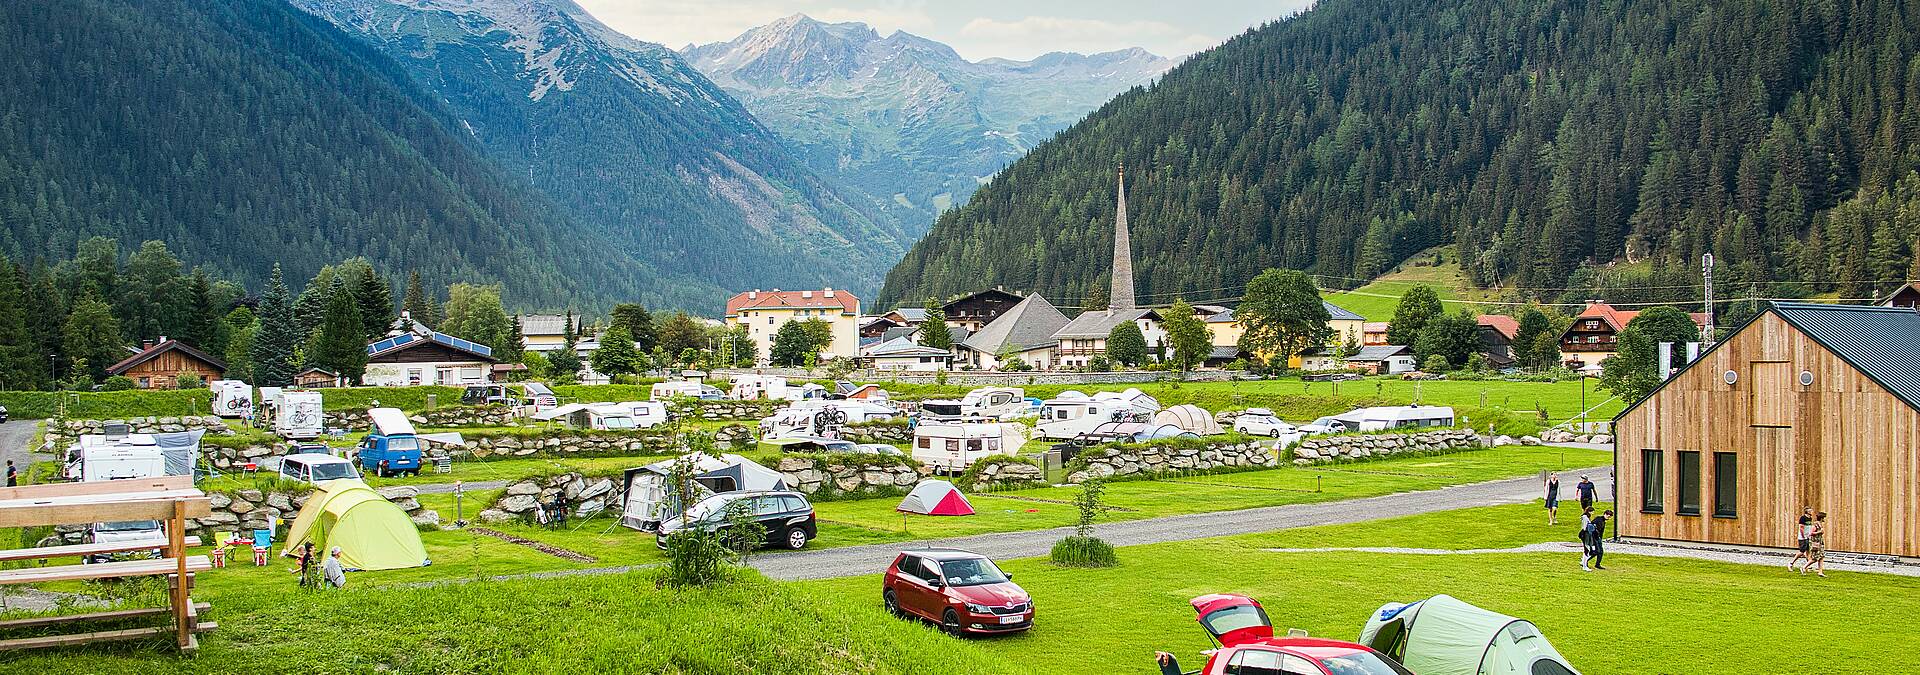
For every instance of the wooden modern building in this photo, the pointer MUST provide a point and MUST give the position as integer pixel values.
(973, 312)
(158, 365)
(1804, 406)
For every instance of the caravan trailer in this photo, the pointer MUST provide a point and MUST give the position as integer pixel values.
(953, 446)
(608, 416)
(993, 403)
(758, 387)
(665, 390)
(1397, 417)
(819, 417)
(231, 398)
(297, 414)
(1073, 413)
(115, 455)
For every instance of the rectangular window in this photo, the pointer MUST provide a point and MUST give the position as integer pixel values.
(1726, 483)
(1689, 483)
(1653, 485)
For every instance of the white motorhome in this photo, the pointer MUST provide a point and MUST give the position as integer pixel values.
(297, 414)
(953, 446)
(608, 416)
(1397, 417)
(815, 417)
(646, 414)
(993, 403)
(115, 455)
(705, 392)
(1073, 413)
(757, 387)
(231, 398)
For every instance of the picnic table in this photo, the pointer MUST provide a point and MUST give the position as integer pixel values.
(171, 499)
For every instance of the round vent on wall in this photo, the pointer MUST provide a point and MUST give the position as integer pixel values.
(1806, 378)
(1731, 377)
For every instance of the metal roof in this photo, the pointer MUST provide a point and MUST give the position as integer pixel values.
(1339, 313)
(1098, 323)
(405, 340)
(1378, 352)
(1883, 342)
(1029, 324)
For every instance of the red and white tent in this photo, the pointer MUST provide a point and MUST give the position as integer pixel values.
(936, 498)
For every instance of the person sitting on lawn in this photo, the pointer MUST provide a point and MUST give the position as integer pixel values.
(1169, 665)
(335, 574)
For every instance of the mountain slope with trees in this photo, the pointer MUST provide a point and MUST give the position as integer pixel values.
(1547, 138)
(244, 133)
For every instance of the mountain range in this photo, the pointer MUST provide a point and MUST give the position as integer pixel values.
(633, 145)
(1567, 147)
(903, 118)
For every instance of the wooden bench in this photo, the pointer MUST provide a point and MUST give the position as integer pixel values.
(66, 550)
(105, 570)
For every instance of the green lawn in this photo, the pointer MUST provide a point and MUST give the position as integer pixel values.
(1641, 615)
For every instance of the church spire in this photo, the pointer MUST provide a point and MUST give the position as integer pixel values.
(1121, 295)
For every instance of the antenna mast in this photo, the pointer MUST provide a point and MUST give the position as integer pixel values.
(1706, 272)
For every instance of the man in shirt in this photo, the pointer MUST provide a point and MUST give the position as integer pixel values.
(1586, 491)
(334, 574)
(1803, 533)
(13, 475)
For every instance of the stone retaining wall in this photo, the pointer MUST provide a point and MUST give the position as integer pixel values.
(719, 411)
(810, 475)
(244, 511)
(1150, 458)
(1338, 448)
(1006, 474)
(479, 447)
(996, 379)
(877, 432)
(71, 430)
(445, 417)
(586, 496)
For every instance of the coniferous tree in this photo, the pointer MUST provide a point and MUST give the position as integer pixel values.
(240, 326)
(20, 366)
(152, 301)
(512, 349)
(934, 332)
(47, 323)
(204, 328)
(565, 361)
(278, 337)
(375, 298)
(419, 304)
(310, 308)
(341, 343)
(638, 322)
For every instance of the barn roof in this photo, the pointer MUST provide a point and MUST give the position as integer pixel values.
(1881, 342)
(163, 347)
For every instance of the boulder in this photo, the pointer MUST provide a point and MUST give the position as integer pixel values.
(408, 504)
(426, 518)
(494, 516)
(280, 501)
(398, 492)
(251, 495)
(219, 500)
(1529, 440)
(525, 487)
(517, 503)
(241, 506)
(1602, 439)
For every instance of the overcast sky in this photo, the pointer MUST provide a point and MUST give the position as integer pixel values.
(978, 29)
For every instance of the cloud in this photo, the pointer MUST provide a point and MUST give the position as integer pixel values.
(1084, 35)
(678, 22)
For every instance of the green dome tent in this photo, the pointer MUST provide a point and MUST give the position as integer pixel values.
(371, 532)
(1442, 635)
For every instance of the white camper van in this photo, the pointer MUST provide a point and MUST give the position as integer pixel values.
(993, 403)
(757, 387)
(1073, 413)
(608, 416)
(665, 390)
(953, 446)
(231, 398)
(115, 455)
(297, 414)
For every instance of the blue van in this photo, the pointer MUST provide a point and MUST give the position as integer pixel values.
(392, 448)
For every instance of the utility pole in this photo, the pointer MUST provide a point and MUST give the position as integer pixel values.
(1706, 272)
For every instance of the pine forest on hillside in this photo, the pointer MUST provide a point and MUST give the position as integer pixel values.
(1547, 138)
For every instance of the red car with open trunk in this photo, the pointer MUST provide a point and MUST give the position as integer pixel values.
(962, 591)
(1248, 647)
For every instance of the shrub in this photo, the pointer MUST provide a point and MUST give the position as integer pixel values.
(1078, 551)
(188, 381)
(117, 383)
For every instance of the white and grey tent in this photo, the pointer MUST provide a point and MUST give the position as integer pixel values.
(1443, 635)
(1191, 418)
(182, 450)
(649, 499)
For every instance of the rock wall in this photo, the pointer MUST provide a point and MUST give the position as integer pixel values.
(1003, 474)
(810, 475)
(1150, 458)
(244, 511)
(877, 432)
(71, 430)
(722, 411)
(1339, 448)
(1563, 435)
(996, 379)
(586, 496)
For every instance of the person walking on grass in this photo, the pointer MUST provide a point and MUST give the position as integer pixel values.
(1553, 499)
(334, 574)
(13, 475)
(1586, 491)
(1803, 533)
(1817, 546)
(1599, 537)
(1586, 542)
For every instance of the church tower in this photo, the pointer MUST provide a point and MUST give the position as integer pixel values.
(1120, 297)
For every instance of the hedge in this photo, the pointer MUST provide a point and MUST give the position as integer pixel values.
(107, 404)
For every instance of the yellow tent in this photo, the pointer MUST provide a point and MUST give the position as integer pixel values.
(371, 532)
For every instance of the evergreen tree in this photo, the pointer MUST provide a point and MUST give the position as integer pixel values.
(20, 366)
(341, 343)
(934, 332)
(512, 349)
(638, 322)
(1188, 336)
(278, 337)
(375, 297)
(679, 333)
(1418, 305)
(47, 323)
(310, 308)
(565, 361)
(93, 336)
(616, 355)
(153, 299)
(791, 345)
(1282, 315)
(418, 304)
(204, 328)
(1126, 345)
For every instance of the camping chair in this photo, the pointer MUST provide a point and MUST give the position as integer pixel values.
(262, 542)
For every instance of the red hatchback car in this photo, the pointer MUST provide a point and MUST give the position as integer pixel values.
(962, 591)
(1248, 646)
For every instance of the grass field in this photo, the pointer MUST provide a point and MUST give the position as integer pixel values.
(1380, 297)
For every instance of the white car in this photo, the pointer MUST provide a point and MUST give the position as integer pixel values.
(1322, 426)
(878, 449)
(314, 468)
(1261, 422)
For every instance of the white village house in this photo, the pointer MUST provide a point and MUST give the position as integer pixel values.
(413, 354)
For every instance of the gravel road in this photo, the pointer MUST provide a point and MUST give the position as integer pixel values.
(859, 560)
(14, 436)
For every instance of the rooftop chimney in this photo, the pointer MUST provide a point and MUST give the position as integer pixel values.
(806, 294)
(753, 294)
(829, 292)
(146, 345)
